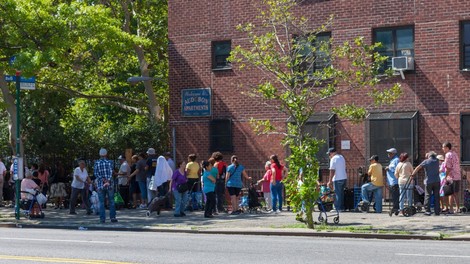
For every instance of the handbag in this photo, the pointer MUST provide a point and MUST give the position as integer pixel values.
(448, 189)
(182, 187)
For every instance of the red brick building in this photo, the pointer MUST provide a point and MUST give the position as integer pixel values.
(434, 108)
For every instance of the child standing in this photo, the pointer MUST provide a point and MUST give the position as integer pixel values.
(265, 188)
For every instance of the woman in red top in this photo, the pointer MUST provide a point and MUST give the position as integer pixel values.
(278, 171)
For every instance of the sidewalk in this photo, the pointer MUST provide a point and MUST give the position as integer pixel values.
(367, 225)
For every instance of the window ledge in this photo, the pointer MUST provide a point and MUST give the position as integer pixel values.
(227, 68)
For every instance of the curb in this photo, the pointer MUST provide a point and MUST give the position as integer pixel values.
(331, 234)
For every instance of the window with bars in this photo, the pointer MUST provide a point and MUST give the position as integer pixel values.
(221, 135)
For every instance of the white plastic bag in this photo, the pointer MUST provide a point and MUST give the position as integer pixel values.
(41, 198)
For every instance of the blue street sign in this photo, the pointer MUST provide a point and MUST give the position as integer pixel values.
(196, 102)
(12, 60)
(12, 78)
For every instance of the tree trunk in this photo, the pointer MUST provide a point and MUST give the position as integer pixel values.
(11, 110)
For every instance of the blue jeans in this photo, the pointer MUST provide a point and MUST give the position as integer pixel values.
(406, 194)
(143, 190)
(366, 189)
(339, 193)
(102, 197)
(181, 200)
(276, 194)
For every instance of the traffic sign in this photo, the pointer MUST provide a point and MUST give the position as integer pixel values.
(25, 83)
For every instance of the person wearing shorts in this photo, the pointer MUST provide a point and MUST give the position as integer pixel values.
(452, 163)
(234, 183)
(141, 178)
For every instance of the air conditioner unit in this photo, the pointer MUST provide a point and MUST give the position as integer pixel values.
(404, 63)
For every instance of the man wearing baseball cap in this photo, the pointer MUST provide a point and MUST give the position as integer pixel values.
(392, 180)
(103, 171)
(375, 185)
(123, 179)
(338, 176)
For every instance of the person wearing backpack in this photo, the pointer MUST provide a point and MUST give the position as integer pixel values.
(220, 181)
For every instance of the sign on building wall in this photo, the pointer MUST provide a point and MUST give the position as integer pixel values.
(196, 102)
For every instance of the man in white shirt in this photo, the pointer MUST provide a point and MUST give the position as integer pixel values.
(3, 172)
(338, 176)
(123, 179)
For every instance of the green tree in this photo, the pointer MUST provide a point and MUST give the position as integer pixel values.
(301, 71)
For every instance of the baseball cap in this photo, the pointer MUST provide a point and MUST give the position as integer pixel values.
(330, 150)
(374, 157)
(151, 151)
(392, 150)
(440, 157)
(103, 152)
(121, 157)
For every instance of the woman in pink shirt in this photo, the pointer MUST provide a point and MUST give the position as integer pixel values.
(44, 177)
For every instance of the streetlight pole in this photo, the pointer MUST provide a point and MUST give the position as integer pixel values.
(18, 147)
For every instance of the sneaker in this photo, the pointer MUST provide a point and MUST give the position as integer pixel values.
(428, 213)
(177, 215)
(183, 214)
(333, 211)
(114, 220)
(209, 216)
(235, 213)
(142, 206)
(73, 213)
(278, 211)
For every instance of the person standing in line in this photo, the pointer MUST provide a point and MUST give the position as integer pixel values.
(444, 200)
(233, 181)
(392, 180)
(432, 181)
(209, 180)
(133, 185)
(123, 179)
(181, 198)
(141, 177)
(43, 175)
(3, 172)
(170, 161)
(265, 187)
(338, 177)
(80, 177)
(278, 172)
(220, 181)
(163, 174)
(150, 167)
(103, 171)
(193, 170)
(452, 164)
(403, 173)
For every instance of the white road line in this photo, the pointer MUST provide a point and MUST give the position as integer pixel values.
(56, 240)
(433, 256)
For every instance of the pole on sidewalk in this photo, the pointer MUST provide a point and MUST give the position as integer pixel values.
(18, 149)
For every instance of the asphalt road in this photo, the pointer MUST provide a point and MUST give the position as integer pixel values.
(75, 246)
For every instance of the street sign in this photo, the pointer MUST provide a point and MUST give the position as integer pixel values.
(25, 83)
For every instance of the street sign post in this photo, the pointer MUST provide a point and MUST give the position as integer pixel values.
(25, 83)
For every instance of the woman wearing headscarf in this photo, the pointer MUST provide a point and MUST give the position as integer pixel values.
(161, 178)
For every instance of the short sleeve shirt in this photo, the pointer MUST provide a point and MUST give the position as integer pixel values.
(152, 165)
(431, 169)
(235, 179)
(453, 164)
(193, 168)
(82, 175)
(122, 179)
(376, 174)
(141, 176)
(338, 164)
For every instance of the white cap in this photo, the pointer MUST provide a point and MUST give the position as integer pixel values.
(103, 152)
(151, 151)
(121, 157)
(392, 150)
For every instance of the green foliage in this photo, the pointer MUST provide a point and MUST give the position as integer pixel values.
(82, 53)
(301, 69)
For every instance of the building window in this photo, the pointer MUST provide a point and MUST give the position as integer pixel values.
(465, 137)
(220, 52)
(321, 126)
(392, 130)
(221, 135)
(313, 53)
(465, 36)
(396, 42)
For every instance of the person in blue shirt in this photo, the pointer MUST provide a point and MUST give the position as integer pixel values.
(234, 183)
(103, 171)
(208, 181)
(392, 180)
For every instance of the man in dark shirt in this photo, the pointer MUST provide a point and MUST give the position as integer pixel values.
(432, 181)
(150, 167)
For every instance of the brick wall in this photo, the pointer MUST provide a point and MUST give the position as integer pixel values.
(437, 89)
